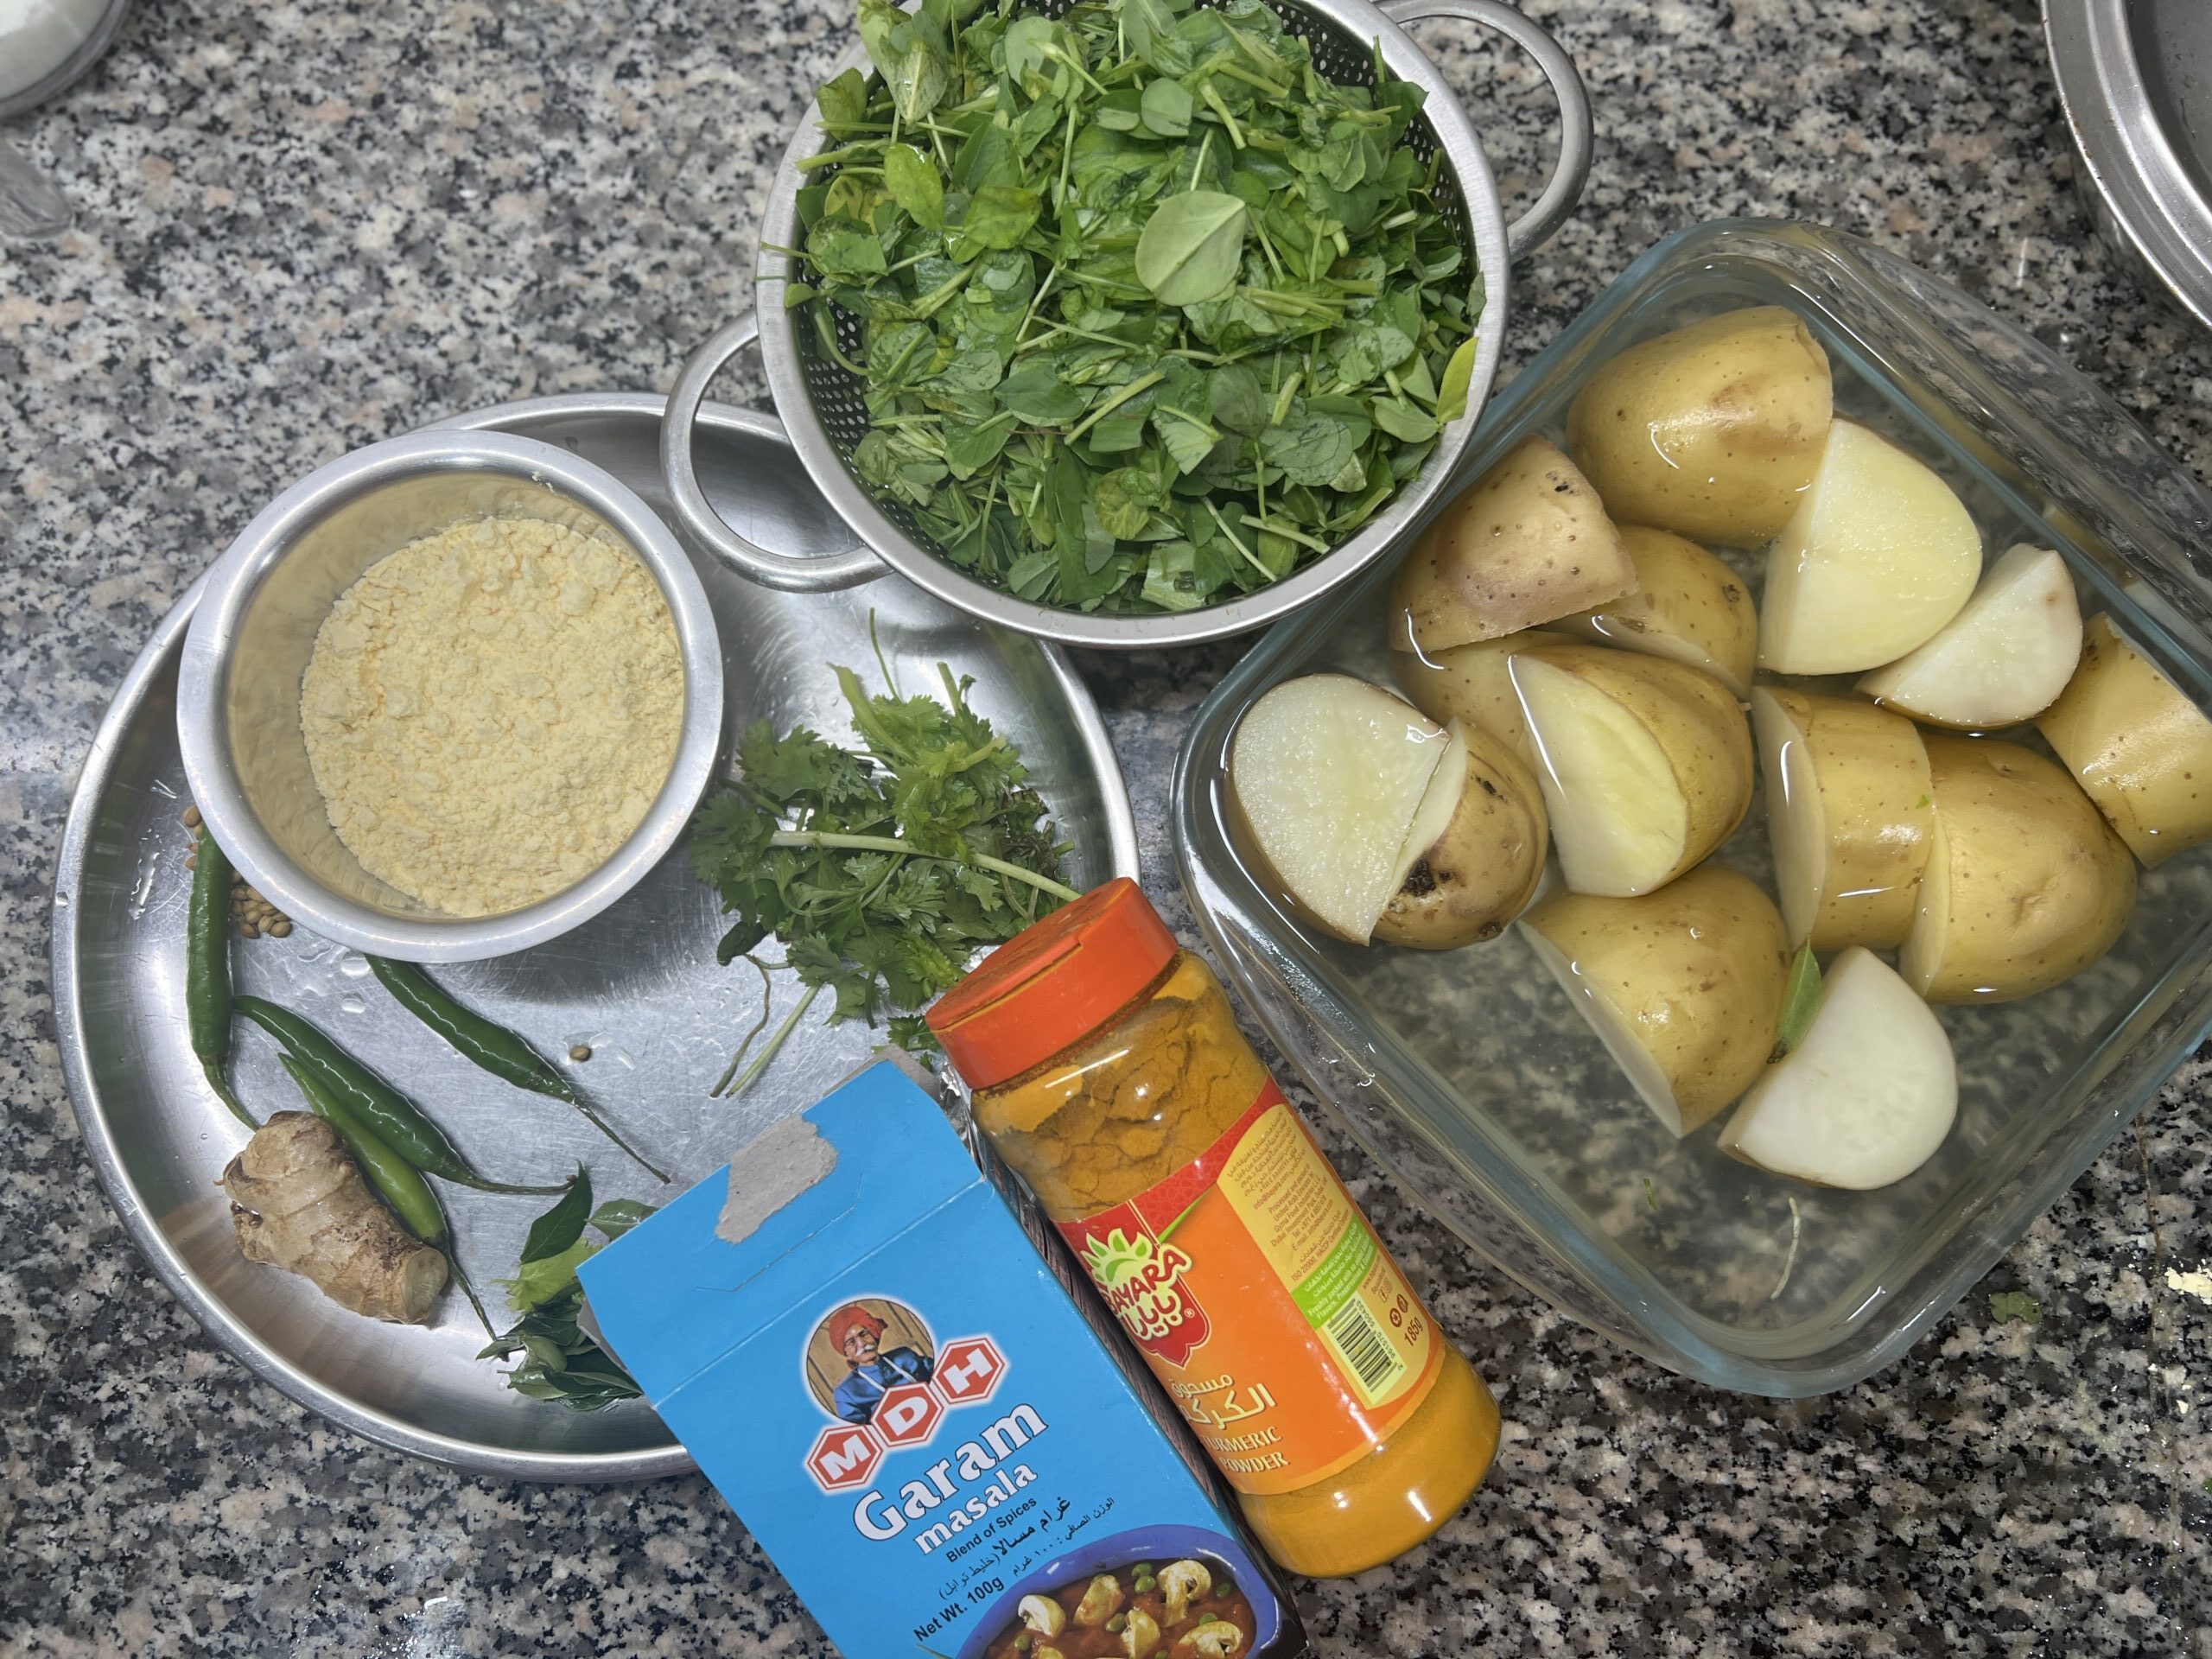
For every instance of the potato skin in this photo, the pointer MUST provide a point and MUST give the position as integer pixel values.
(1711, 431)
(1687, 606)
(1484, 868)
(1526, 542)
(2141, 749)
(1696, 971)
(1879, 804)
(1470, 684)
(2027, 885)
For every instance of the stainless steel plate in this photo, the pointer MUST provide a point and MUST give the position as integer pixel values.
(2136, 78)
(638, 983)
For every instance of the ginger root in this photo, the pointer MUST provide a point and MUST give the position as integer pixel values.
(299, 1202)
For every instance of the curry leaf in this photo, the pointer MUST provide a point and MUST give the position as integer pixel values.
(563, 1225)
(618, 1216)
(1801, 1001)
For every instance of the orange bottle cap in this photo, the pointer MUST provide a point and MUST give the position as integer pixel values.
(1052, 983)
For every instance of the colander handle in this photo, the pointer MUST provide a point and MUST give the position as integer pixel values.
(1535, 227)
(697, 514)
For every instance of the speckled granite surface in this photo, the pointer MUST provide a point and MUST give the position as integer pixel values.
(307, 226)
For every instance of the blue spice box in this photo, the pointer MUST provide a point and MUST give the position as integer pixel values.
(875, 1354)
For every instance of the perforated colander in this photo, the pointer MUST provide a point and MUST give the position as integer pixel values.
(823, 408)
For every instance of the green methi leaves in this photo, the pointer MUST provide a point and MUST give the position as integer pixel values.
(1151, 312)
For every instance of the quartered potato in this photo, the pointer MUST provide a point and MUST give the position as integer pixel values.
(1528, 540)
(1712, 431)
(1878, 556)
(1478, 870)
(2141, 749)
(1866, 1097)
(2025, 884)
(2003, 659)
(1472, 683)
(1327, 774)
(1850, 812)
(1645, 764)
(1687, 605)
(1684, 985)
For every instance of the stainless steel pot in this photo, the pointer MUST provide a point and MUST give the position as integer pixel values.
(819, 400)
(2136, 79)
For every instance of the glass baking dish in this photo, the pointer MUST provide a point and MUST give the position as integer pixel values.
(1471, 1078)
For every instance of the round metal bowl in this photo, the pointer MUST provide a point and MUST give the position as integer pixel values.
(2136, 79)
(239, 682)
(66, 71)
(822, 408)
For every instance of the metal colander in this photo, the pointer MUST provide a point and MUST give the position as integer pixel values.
(823, 408)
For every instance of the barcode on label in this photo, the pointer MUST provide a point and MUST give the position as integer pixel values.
(1364, 1350)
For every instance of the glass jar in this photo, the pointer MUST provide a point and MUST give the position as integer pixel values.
(1108, 1069)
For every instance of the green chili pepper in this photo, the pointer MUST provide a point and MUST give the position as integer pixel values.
(389, 1115)
(398, 1182)
(207, 969)
(502, 1052)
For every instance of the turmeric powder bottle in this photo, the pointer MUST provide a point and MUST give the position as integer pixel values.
(1108, 1068)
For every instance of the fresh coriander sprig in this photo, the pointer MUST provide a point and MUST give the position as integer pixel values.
(882, 869)
(1151, 311)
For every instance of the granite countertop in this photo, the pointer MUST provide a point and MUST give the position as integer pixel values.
(305, 226)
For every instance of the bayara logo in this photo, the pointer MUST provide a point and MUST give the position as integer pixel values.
(894, 1398)
(1141, 1279)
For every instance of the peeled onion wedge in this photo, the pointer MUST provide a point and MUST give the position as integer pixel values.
(1868, 1094)
(1328, 775)
(2003, 659)
(1879, 555)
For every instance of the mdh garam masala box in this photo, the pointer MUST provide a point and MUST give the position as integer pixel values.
(880, 1356)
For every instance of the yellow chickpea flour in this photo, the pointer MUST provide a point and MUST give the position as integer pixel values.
(490, 711)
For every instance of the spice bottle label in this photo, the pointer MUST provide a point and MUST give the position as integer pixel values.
(1263, 1301)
